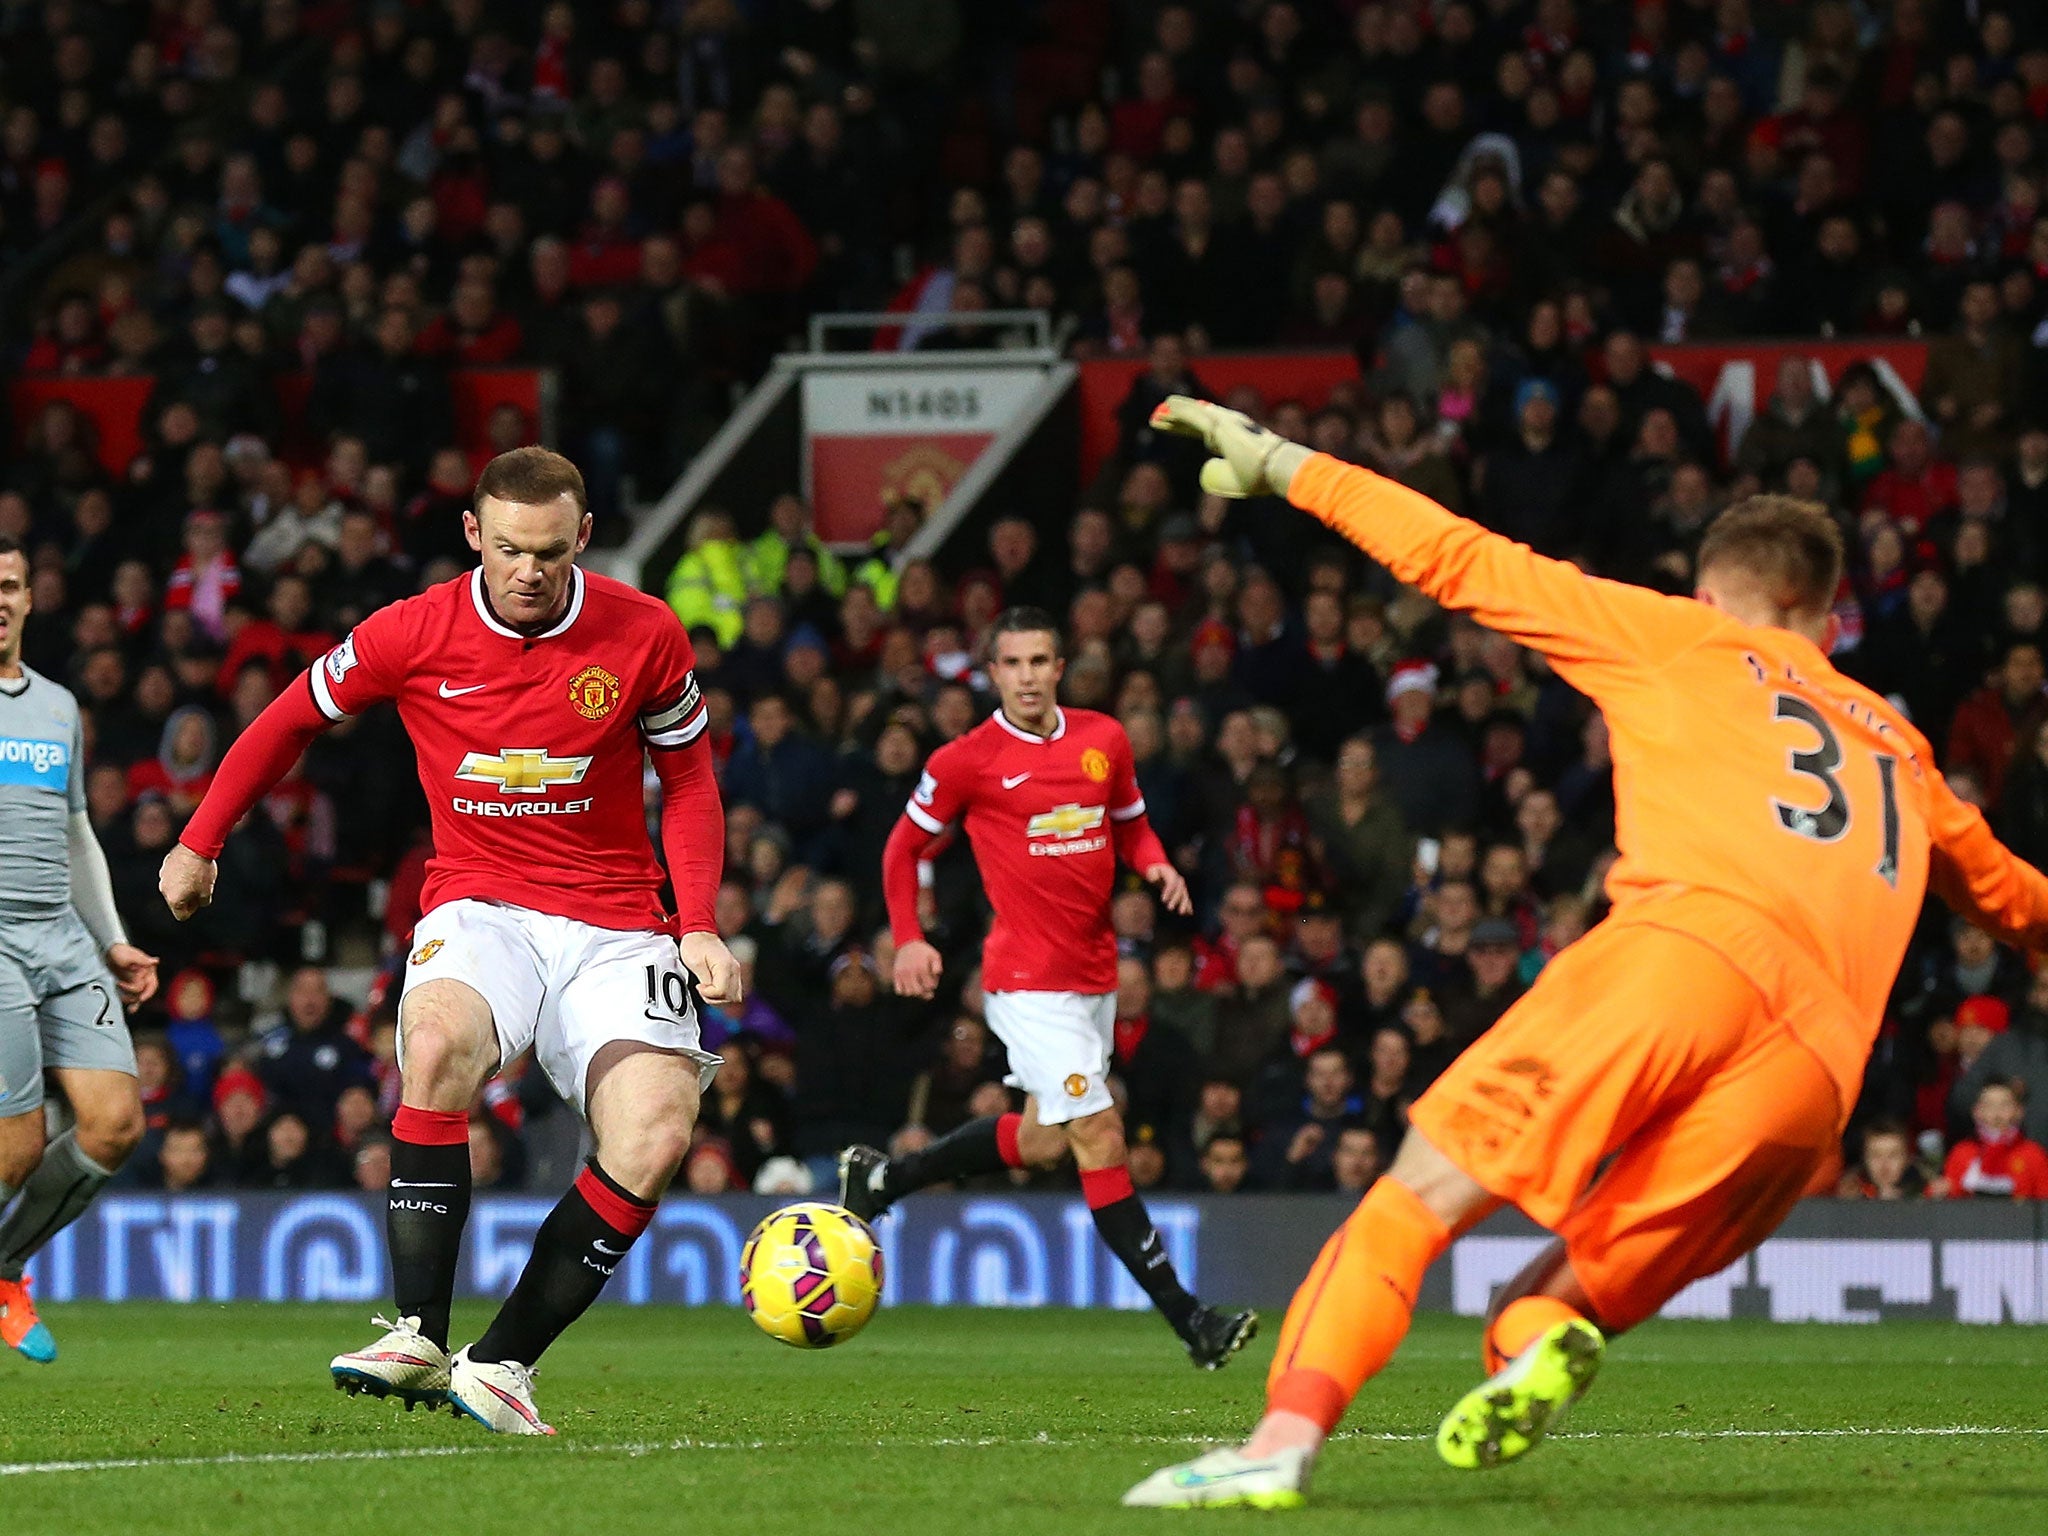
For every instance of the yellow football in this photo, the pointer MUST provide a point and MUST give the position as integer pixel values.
(811, 1274)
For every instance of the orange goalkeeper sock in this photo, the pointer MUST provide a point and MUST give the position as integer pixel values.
(1521, 1323)
(1352, 1311)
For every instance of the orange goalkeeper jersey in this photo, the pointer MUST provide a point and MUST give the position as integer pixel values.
(1764, 802)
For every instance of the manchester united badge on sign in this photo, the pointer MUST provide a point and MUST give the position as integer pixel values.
(594, 692)
(1095, 763)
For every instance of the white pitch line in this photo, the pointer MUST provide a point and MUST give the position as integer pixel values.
(657, 1447)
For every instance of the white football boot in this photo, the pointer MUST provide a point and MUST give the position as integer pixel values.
(498, 1394)
(1228, 1477)
(404, 1364)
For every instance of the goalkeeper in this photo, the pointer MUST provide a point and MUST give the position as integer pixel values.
(1673, 1081)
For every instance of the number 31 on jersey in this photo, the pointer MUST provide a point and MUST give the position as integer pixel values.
(1821, 763)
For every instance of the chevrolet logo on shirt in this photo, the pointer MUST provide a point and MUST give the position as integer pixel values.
(523, 770)
(1065, 821)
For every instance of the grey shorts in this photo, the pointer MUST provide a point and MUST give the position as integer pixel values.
(58, 1008)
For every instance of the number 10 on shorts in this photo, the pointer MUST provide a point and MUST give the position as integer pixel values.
(667, 989)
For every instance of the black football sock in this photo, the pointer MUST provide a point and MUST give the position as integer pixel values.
(427, 1206)
(574, 1254)
(987, 1145)
(1126, 1226)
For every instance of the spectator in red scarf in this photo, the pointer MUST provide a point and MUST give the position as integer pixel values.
(157, 1078)
(1244, 913)
(134, 595)
(1555, 32)
(1914, 487)
(72, 343)
(1998, 1162)
(1990, 722)
(183, 766)
(474, 333)
(606, 253)
(206, 578)
(1177, 566)
(776, 253)
(285, 639)
(304, 816)
(553, 64)
(1270, 839)
(1312, 1016)
(1822, 124)
(1137, 125)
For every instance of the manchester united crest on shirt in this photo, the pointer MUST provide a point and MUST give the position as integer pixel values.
(1095, 763)
(594, 692)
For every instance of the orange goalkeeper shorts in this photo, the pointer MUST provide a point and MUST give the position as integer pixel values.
(1642, 1049)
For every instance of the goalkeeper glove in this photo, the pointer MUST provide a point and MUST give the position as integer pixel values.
(1251, 461)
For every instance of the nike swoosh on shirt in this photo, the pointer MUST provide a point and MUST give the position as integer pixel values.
(407, 1184)
(456, 693)
(604, 1247)
(1013, 783)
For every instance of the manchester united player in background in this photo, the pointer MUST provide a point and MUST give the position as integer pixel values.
(532, 692)
(1051, 802)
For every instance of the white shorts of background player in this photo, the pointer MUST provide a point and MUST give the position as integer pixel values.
(563, 987)
(1059, 1045)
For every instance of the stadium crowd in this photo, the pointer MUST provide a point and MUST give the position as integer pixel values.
(1391, 819)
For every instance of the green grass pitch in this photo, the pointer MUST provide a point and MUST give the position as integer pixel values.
(993, 1422)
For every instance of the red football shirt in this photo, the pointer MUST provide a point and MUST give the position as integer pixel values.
(1041, 814)
(530, 748)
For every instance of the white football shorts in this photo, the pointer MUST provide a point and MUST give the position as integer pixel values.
(1059, 1045)
(563, 987)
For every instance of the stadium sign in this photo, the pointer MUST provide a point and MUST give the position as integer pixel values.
(1833, 1261)
(875, 436)
(1736, 378)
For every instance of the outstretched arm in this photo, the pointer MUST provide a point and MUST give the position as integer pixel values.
(261, 756)
(367, 666)
(1593, 631)
(1581, 623)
